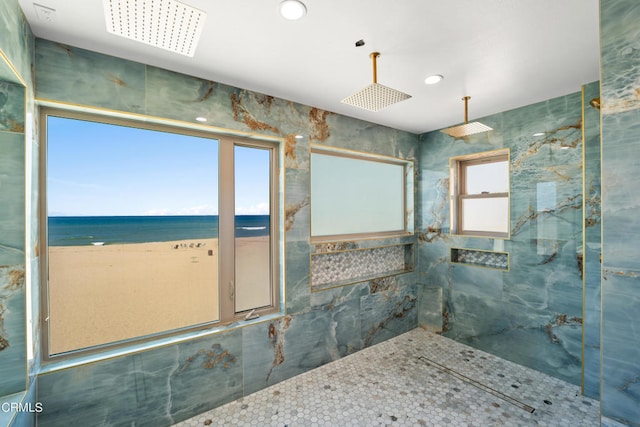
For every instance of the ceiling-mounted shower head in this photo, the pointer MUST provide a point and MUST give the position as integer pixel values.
(167, 24)
(375, 97)
(467, 128)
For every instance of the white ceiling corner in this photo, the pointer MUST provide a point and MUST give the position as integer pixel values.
(504, 54)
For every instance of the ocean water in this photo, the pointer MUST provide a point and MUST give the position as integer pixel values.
(90, 230)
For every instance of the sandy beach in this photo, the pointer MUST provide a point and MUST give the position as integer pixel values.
(102, 294)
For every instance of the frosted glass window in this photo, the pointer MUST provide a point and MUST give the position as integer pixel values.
(487, 215)
(356, 195)
(487, 178)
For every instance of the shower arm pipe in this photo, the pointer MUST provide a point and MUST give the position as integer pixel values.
(374, 56)
(466, 109)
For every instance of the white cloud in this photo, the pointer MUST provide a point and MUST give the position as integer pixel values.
(194, 210)
(259, 209)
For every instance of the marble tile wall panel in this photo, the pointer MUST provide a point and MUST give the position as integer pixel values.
(620, 77)
(12, 203)
(13, 370)
(7, 417)
(16, 98)
(280, 349)
(156, 387)
(7, 74)
(297, 219)
(297, 277)
(592, 244)
(27, 418)
(430, 308)
(389, 313)
(79, 76)
(343, 293)
(544, 281)
(16, 43)
(316, 328)
(620, 377)
(12, 261)
(12, 107)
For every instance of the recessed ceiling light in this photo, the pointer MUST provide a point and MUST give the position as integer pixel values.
(538, 134)
(292, 9)
(433, 79)
(201, 119)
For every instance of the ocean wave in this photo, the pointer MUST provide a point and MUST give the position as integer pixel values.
(251, 228)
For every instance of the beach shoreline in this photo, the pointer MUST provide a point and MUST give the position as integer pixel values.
(103, 293)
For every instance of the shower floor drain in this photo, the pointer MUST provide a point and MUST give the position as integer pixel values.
(479, 385)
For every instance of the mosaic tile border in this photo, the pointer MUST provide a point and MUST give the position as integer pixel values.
(479, 258)
(333, 269)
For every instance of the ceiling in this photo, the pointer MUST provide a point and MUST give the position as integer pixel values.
(503, 53)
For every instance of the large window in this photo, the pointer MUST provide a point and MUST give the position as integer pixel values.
(480, 194)
(356, 194)
(152, 229)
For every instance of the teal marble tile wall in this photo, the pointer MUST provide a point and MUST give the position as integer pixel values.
(620, 58)
(531, 314)
(12, 108)
(171, 383)
(13, 357)
(430, 308)
(592, 242)
(15, 44)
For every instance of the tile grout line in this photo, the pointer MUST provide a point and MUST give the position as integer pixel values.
(478, 385)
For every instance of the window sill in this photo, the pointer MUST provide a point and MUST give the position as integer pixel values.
(502, 236)
(317, 240)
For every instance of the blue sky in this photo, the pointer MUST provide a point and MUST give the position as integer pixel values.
(96, 169)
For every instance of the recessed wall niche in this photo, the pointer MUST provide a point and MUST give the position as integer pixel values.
(334, 265)
(478, 258)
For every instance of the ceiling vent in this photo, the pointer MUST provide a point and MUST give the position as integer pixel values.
(166, 24)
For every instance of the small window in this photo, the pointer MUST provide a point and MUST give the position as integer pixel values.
(152, 229)
(480, 194)
(358, 195)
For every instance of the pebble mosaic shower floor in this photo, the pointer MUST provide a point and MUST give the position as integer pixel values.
(416, 379)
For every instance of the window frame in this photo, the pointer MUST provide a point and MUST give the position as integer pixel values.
(407, 194)
(226, 226)
(458, 191)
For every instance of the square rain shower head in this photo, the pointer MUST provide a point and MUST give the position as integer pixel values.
(166, 24)
(375, 97)
(466, 129)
